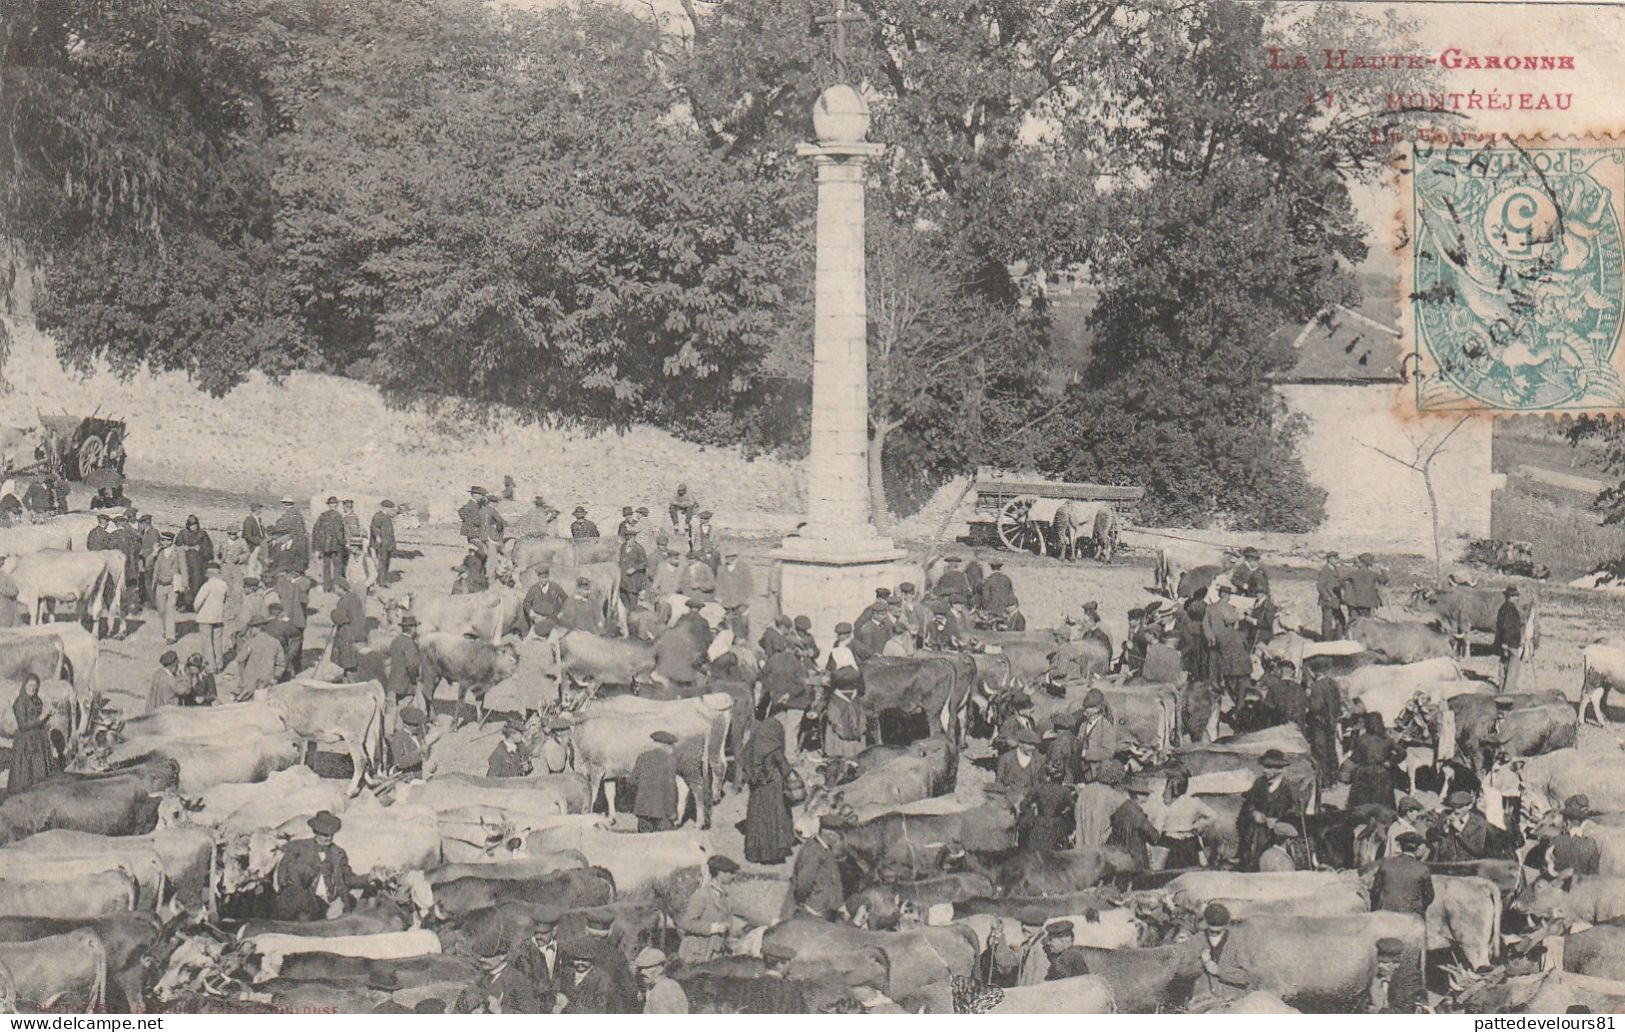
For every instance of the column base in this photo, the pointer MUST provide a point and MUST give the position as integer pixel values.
(831, 580)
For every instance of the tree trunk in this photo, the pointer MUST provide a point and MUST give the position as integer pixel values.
(879, 512)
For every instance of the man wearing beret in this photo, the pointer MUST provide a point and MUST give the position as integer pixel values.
(314, 874)
(654, 777)
(707, 916)
(168, 687)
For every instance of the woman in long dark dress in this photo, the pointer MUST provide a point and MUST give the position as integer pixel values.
(198, 550)
(770, 835)
(1373, 756)
(32, 758)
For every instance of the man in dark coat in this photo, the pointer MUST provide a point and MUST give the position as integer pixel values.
(1251, 581)
(150, 542)
(349, 625)
(998, 594)
(1509, 640)
(1463, 834)
(952, 585)
(1020, 769)
(586, 988)
(330, 542)
(292, 523)
(582, 610)
(510, 758)
(1403, 882)
(582, 529)
(634, 567)
(101, 535)
(654, 779)
(1044, 820)
(1329, 595)
(1270, 799)
(1393, 990)
(253, 527)
(815, 880)
(1361, 587)
(529, 982)
(381, 539)
(405, 660)
(1323, 714)
(313, 873)
(677, 657)
(544, 602)
(869, 640)
(876, 610)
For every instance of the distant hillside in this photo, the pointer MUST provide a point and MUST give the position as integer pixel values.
(317, 433)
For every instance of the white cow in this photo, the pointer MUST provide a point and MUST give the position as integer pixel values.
(94, 580)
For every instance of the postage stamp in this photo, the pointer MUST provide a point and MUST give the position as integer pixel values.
(1513, 287)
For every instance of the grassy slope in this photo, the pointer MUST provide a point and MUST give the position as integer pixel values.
(1565, 527)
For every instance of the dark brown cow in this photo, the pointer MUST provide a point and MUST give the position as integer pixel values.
(120, 801)
(1539, 722)
(581, 887)
(938, 685)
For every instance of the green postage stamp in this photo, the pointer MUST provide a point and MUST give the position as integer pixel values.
(1512, 259)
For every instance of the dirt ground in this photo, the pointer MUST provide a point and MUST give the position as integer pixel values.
(1570, 618)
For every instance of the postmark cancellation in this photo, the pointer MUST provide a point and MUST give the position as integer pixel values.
(1511, 291)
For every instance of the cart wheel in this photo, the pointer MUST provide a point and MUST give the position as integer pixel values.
(91, 452)
(1017, 530)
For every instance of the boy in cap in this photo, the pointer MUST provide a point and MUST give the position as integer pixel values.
(707, 917)
(510, 759)
(552, 754)
(409, 743)
(1391, 991)
(1097, 734)
(661, 995)
(654, 779)
(313, 879)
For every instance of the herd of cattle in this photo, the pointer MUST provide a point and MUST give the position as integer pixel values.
(143, 884)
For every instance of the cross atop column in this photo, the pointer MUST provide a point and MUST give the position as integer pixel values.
(840, 18)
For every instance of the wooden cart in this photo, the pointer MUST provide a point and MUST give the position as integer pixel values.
(1019, 513)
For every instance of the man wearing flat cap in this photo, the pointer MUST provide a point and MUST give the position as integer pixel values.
(1066, 960)
(544, 602)
(654, 779)
(953, 586)
(510, 758)
(329, 541)
(583, 610)
(1463, 834)
(661, 994)
(1362, 587)
(1509, 640)
(313, 879)
(1403, 883)
(707, 917)
(705, 540)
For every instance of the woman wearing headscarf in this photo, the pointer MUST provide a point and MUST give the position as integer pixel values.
(770, 836)
(1373, 756)
(32, 758)
(197, 550)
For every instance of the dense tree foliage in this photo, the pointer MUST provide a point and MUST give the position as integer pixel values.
(580, 214)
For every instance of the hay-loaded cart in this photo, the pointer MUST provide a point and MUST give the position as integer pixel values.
(1020, 514)
(73, 447)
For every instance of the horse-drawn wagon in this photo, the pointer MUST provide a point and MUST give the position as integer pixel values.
(73, 447)
(1051, 517)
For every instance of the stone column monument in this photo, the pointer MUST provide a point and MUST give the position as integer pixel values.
(830, 570)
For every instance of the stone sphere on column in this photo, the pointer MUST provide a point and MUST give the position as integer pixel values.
(840, 115)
